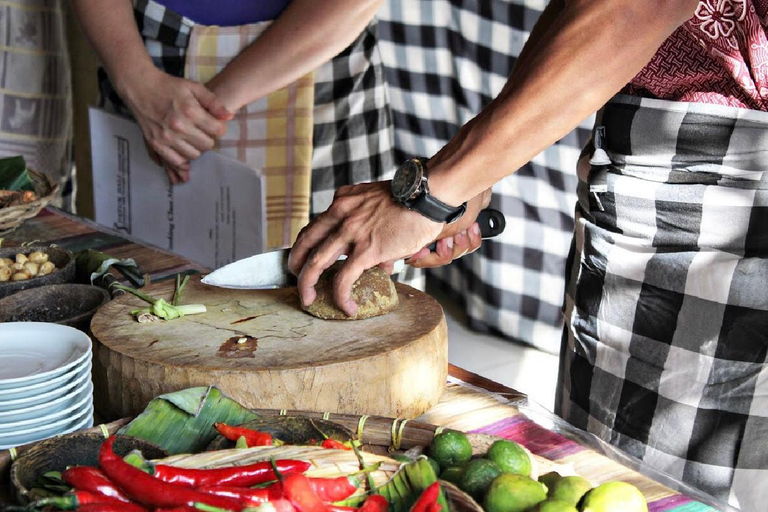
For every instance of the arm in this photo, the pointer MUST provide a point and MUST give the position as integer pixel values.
(591, 50)
(179, 118)
(304, 36)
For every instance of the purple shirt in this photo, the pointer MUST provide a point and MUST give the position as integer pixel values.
(227, 13)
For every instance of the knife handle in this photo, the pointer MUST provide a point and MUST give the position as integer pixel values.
(491, 221)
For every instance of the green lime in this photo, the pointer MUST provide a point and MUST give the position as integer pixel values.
(450, 448)
(614, 497)
(549, 479)
(510, 457)
(553, 506)
(434, 464)
(452, 474)
(569, 489)
(513, 493)
(477, 477)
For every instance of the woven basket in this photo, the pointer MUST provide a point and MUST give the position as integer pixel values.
(11, 217)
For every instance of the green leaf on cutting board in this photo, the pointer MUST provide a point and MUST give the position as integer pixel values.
(14, 174)
(92, 264)
(182, 421)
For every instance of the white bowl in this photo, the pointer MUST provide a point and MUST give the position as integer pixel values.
(35, 352)
(24, 399)
(61, 426)
(85, 397)
(23, 411)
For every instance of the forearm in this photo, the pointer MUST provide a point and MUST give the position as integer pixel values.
(590, 51)
(304, 36)
(111, 29)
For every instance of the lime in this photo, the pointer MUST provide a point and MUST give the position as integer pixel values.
(452, 474)
(553, 506)
(434, 464)
(510, 457)
(513, 493)
(450, 448)
(614, 497)
(550, 478)
(477, 477)
(569, 489)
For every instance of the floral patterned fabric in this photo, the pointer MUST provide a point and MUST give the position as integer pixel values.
(719, 56)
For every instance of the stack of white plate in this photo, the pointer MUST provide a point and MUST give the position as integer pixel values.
(45, 382)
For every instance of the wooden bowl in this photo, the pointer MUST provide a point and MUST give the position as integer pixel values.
(77, 449)
(64, 273)
(66, 304)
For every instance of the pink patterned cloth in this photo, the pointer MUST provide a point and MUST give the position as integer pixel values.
(718, 56)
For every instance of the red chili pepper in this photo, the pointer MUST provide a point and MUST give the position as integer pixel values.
(150, 491)
(75, 499)
(252, 437)
(298, 490)
(427, 502)
(281, 505)
(335, 489)
(341, 508)
(235, 476)
(111, 507)
(375, 503)
(334, 444)
(246, 496)
(88, 478)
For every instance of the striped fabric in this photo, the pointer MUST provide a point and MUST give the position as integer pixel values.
(664, 354)
(272, 134)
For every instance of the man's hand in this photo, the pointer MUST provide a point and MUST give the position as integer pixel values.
(364, 223)
(180, 119)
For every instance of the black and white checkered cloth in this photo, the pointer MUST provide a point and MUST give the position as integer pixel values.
(664, 354)
(444, 61)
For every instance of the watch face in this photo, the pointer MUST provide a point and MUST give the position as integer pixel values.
(406, 181)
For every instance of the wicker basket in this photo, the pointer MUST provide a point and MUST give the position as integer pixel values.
(11, 217)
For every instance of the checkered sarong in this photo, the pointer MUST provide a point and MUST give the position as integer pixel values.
(444, 61)
(664, 351)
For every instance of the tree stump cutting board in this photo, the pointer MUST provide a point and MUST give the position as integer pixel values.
(261, 349)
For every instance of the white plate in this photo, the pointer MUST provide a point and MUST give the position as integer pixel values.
(85, 420)
(43, 387)
(29, 434)
(25, 411)
(15, 403)
(34, 352)
(84, 397)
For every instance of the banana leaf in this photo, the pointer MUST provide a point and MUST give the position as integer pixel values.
(14, 174)
(182, 421)
(405, 487)
(92, 265)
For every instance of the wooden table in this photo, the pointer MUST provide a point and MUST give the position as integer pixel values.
(470, 403)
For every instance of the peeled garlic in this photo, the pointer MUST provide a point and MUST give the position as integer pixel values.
(38, 257)
(21, 276)
(6, 262)
(32, 268)
(17, 267)
(46, 268)
(21, 258)
(5, 274)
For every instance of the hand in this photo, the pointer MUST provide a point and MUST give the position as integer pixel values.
(457, 239)
(179, 118)
(364, 223)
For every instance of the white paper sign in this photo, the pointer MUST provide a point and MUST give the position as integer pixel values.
(214, 219)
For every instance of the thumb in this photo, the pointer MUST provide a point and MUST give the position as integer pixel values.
(212, 103)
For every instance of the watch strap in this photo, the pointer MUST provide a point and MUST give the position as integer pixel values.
(438, 211)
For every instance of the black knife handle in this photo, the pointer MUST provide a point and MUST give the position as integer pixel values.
(492, 223)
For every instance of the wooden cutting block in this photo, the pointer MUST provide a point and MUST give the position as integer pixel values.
(260, 349)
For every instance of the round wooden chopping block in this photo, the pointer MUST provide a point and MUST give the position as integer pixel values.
(260, 349)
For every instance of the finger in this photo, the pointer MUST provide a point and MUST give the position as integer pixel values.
(388, 267)
(321, 258)
(169, 157)
(186, 150)
(346, 277)
(309, 237)
(199, 139)
(442, 255)
(475, 239)
(212, 103)
(418, 256)
(203, 125)
(173, 178)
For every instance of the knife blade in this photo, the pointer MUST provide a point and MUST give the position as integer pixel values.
(270, 269)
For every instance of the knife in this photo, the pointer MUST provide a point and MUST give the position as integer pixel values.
(270, 269)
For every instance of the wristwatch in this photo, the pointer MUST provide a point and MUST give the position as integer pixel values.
(410, 187)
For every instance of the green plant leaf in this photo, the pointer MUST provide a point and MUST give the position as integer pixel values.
(405, 486)
(182, 421)
(92, 264)
(14, 174)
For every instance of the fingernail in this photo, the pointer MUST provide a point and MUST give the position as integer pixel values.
(350, 308)
(308, 298)
(449, 242)
(475, 229)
